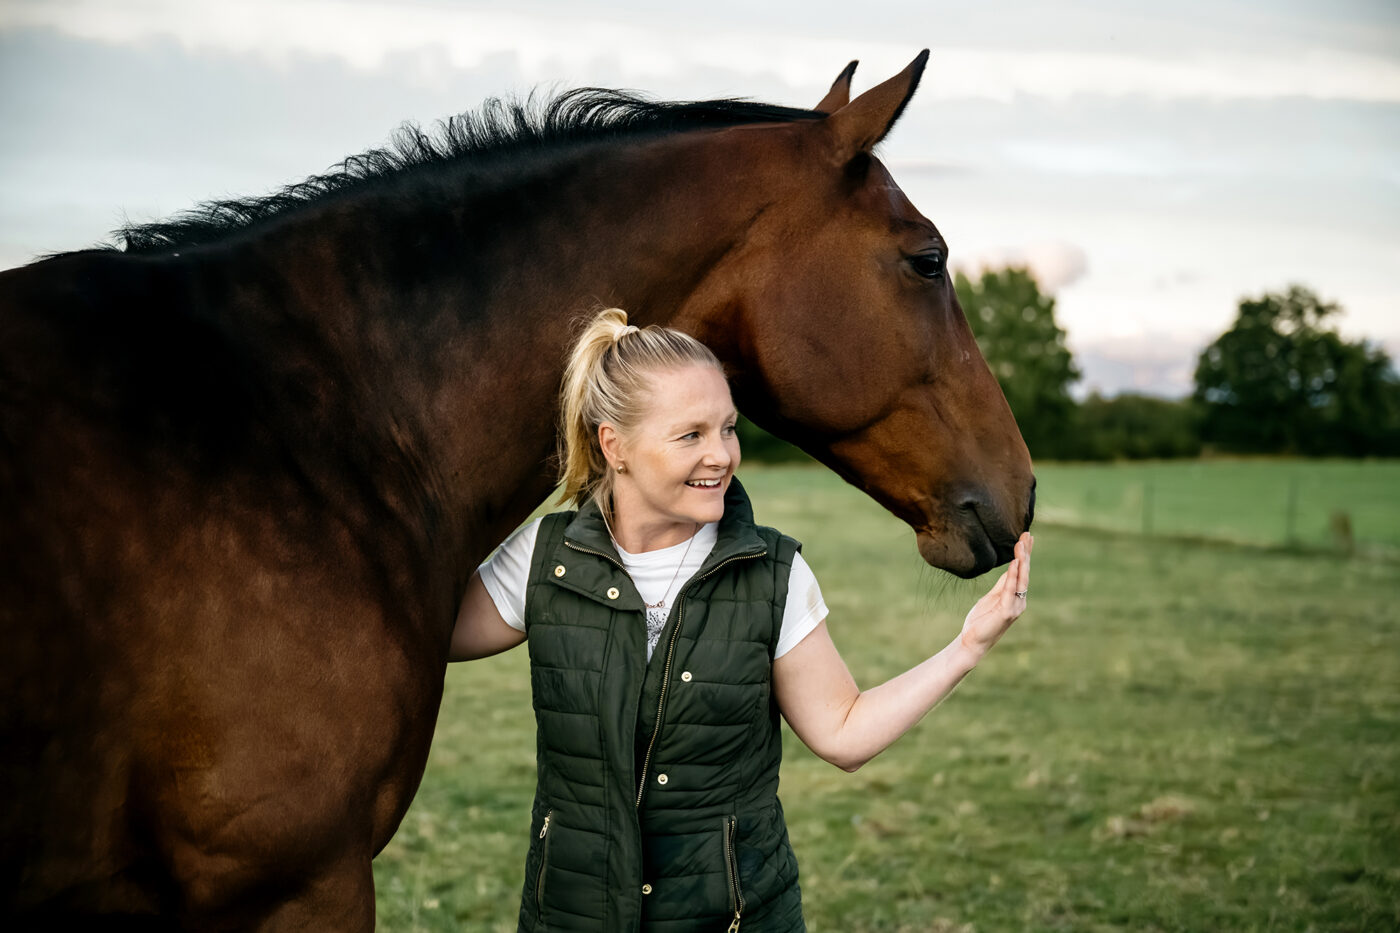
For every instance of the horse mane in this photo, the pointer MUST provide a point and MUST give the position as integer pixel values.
(500, 128)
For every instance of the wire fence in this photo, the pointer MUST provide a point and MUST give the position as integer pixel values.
(1346, 507)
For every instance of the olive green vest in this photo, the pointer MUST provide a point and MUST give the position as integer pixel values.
(656, 807)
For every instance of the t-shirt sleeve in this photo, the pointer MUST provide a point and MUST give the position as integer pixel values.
(805, 607)
(507, 571)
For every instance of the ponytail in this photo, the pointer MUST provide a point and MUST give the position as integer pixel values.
(606, 381)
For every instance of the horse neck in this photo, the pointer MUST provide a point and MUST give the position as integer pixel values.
(471, 347)
(641, 231)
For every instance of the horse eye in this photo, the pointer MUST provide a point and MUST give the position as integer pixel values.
(927, 265)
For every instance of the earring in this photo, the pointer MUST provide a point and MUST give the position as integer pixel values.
(622, 468)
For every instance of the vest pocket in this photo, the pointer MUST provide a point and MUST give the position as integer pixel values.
(544, 861)
(731, 869)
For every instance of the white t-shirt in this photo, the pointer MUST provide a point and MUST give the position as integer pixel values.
(658, 579)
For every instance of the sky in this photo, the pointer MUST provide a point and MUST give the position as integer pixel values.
(1152, 163)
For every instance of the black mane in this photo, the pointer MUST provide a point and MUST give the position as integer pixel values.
(499, 128)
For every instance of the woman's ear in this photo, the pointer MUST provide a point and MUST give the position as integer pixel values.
(610, 442)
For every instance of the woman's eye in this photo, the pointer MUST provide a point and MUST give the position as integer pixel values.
(729, 429)
(927, 265)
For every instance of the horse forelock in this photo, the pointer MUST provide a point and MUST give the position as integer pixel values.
(478, 144)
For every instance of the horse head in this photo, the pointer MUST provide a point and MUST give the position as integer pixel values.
(842, 333)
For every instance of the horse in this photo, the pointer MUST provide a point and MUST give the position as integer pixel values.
(251, 455)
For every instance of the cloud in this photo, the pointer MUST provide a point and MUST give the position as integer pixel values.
(658, 50)
(1054, 265)
(1075, 157)
(1151, 363)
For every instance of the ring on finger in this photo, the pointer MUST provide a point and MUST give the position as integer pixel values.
(1021, 594)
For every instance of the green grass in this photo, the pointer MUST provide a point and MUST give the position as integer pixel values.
(1177, 736)
(1265, 502)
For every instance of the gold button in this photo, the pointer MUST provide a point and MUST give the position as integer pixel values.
(646, 889)
(661, 779)
(685, 676)
(612, 592)
(559, 571)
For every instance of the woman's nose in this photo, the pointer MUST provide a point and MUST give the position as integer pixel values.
(716, 453)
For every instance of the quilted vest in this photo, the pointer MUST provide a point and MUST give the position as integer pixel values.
(656, 806)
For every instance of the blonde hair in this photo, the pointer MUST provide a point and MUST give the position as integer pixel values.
(606, 381)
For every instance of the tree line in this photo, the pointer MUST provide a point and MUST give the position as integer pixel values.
(1280, 380)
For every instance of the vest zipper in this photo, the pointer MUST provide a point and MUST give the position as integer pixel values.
(670, 647)
(670, 653)
(588, 550)
(731, 864)
(544, 860)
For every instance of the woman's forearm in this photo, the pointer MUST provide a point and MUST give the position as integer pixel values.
(848, 727)
(878, 716)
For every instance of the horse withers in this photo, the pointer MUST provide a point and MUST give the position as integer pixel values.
(249, 459)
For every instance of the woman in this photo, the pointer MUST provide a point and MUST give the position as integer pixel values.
(667, 631)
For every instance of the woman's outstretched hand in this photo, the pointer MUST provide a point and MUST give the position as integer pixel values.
(1002, 605)
(848, 726)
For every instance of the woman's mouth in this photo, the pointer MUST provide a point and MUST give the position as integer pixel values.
(702, 483)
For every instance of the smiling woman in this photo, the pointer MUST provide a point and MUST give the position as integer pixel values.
(683, 451)
(657, 706)
(615, 395)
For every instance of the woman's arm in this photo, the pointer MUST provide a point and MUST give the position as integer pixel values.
(847, 727)
(480, 630)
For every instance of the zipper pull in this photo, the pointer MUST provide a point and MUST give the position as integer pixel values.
(734, 927)
(545, 828)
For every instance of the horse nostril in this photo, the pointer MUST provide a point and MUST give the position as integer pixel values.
(1030, 508)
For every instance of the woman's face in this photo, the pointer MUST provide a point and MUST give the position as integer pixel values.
(681, 455)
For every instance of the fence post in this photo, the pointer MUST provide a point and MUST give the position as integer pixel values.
(1147, 507)
(1290, 537)
(1343, 538)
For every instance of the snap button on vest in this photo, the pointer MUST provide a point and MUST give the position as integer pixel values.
(646, 889)
(685, 676)
(661, 779)
(559, 571)
(612, 592)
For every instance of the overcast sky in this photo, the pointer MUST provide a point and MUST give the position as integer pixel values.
(1153, 162)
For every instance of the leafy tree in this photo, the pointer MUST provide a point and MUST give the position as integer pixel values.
(1136, 427)
(1015, 326)
(1281, 380)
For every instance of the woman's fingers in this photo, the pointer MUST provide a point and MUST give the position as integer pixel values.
(1020, 566)
(994, 613)
(1025, 567)
(1015, 579)
(999, 600)
(1000, 586)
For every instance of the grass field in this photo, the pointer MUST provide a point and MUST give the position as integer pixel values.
(1264, 502)
(1177, 736)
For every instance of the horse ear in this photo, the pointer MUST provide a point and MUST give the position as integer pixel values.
(863, 122)
(840, 93)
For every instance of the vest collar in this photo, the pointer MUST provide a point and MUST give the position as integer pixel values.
(737, 535)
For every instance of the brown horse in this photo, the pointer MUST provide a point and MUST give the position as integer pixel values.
(248, 462)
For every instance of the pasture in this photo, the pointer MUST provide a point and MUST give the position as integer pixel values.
(1267, 502)
(1178, 736)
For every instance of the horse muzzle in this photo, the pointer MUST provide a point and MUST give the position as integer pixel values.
(976, 536)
